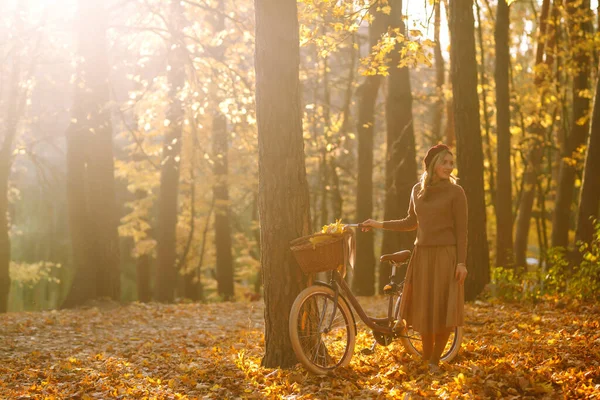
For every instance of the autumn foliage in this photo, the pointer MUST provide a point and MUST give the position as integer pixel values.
(189, 351)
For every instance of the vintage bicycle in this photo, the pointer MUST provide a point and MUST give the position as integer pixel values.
(322, 326)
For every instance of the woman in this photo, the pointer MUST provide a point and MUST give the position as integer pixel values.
(433, 299)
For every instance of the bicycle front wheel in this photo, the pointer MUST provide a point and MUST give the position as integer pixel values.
(322, 335)
(412, 342)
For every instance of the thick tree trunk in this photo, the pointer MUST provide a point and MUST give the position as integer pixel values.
(325, 167)
(9, 132)
(589, 200)
(530, 176)
(224, 264)
(469, 144)
(401, 165)
(103, 219)
(580, 28)
(283, 189)
(142, 266)
(90, 170)
(440, 72)
(504, 214)
(166, 271)
(364, 271)
(222, 213)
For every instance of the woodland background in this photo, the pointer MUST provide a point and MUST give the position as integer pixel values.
(129, 162)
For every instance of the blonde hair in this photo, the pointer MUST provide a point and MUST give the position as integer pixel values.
(427, 176)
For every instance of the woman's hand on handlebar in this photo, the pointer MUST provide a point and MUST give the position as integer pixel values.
(368, 224)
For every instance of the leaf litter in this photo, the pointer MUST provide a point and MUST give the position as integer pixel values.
(213, 351)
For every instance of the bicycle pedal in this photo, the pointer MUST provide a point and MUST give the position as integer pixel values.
(367, 351)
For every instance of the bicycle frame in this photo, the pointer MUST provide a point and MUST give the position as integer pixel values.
(338, 283)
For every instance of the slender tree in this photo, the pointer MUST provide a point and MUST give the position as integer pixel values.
(9, 133)
(222, 224)
(401, 165)
(469, 143)
(589, 200)
(504, 214)
(143, 267)
(90, 168)
(283, 190)
(440, 77)
(535, 153)
(364, 273)
(580, 28)
(166, 272)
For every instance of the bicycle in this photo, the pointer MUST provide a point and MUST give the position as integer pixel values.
(323, 330)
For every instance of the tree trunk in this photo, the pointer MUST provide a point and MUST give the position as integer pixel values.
(9, 133)
(589, 200)
(90, 170)
(438, 107)
(401, 165)
(469, 144)
(224, 262)
(283, 190)
(580, 29)
(222, 217)
(530, 177)
(484, 104)
(504, 215)
(5, 249)
(325, 166)
(166, 272)
(364, 271)
(142, 266)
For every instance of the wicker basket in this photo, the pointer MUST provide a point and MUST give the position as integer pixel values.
(325, 255)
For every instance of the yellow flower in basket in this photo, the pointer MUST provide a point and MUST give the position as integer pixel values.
(336, 228)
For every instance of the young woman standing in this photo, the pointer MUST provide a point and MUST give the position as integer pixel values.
(433, 298)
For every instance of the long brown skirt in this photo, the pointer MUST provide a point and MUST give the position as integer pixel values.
(432, 301)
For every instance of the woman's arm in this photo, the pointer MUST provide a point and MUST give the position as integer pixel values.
(409, 223)
(460, 211)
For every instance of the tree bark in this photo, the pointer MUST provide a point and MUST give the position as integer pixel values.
(142, 266)
(580, 28)
(222, 214)
(224, 262)
(504, 214)
(364, 270)
(283, 190)
(166, 272)
(9, 133)
(484, 104)
(438, 107)
(469, 144)
(90, 169)
(589, 200)
(523, 219)
(401, 165)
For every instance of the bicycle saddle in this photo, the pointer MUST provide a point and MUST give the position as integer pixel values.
(398, 257)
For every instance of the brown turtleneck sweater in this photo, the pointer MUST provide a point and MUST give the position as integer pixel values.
(440, 220)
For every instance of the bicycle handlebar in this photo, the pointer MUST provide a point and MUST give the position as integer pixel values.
(354, 225)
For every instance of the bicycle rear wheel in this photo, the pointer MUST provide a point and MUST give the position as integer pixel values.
(322, 338)
(412, 342)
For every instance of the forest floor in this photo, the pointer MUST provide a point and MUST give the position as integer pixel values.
(185, 351)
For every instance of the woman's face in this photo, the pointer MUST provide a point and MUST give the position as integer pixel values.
(444, 167)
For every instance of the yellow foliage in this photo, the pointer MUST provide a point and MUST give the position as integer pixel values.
(29, 274)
